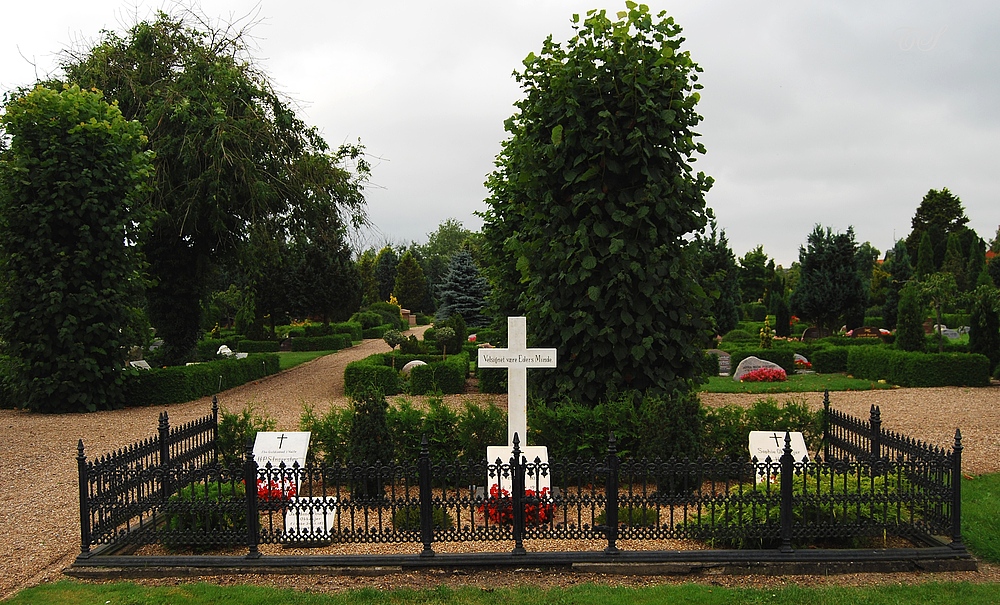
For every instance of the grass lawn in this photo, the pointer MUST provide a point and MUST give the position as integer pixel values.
(981, 515)
(294, 358)
(72, 593)
(796, 383)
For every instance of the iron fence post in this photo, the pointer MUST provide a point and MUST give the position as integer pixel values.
(84, 478)
(876, 433)
(166, 489)
(426, 504)
(215, 428)
(611, 495)
(517, 496)
(787, 462)
(956, 494)
(826, 425)
(253, 518)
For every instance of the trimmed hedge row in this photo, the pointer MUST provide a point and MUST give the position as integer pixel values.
(352, 328)
(919, 369)
(829, 360)
(446, 376)
(333, 342)
(378, 331)
(178, 384)
(377, 370)
(209, 348)
(492, 380)
(258, 346)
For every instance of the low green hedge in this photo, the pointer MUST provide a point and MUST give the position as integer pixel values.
(373, 370)
(492, 380)
(208, 348)
(352, 328)
(7, 397)
(781, 356)
(333, 342)
(829, 360)
(258, 346)
(918, 369)
(378, 331)
(178, 384)
(446, 376)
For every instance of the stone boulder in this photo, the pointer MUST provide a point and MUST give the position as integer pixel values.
(750, 364)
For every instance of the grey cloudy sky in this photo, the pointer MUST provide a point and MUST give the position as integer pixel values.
(838, 112)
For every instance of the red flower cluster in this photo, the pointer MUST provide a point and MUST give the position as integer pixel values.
(803, 365)
(499, 508)
(765, 375)
(272, 491)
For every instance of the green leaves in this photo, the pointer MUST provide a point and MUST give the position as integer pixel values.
(557, 134)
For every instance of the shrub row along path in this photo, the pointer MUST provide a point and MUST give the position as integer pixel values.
(40, 506)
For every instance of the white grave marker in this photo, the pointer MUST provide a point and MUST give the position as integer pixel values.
(771, 444)
(517, 358)
(281, 448)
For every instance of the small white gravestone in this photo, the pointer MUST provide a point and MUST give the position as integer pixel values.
(225, 351)
(771, 444)
(750, 364)
(310, 519)
(141, 364)
(409, 366)
(517, 358)
(951, 334)
(242, 355)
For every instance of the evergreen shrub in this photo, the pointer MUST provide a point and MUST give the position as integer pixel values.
(317, 330)
(333, 342)
(258, 346)
(200, 512)
(915, 369)
(492, 380)
(446, 376)
(390, 313)
(330, 433)
(236, 429)
(349, 327)
(373, 371)
(829, 360)
(208, 349)
(368, 319)
(378, 331)
(178, 384)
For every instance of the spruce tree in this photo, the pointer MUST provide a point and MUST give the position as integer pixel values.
(385, 272)
(370, 443)
(925, 257)
(954, 262)
(463, 291)
(984, 333)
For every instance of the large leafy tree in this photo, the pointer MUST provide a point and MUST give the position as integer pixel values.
(939, 289)
(590, 204)
(939, 214)
(69, 281)
(755, 274)
(230, 153)
(830, 286)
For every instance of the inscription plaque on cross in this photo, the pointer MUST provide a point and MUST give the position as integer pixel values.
(517, 358)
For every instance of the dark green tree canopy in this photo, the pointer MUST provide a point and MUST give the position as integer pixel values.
(385, 272)
(69, 285)
(718, 273)
(754, 274)
(231, 156)
(410, 286)
(830, 285)
(590, 204)
(939, 214)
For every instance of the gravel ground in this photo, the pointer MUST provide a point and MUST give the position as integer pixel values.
(40, 505)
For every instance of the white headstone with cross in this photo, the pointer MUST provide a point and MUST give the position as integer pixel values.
(771, 444)
(517, 358)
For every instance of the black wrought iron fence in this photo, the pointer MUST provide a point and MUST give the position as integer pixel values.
(855, 490)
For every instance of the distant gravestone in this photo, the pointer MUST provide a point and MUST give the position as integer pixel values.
(951, 334)
(724, 358)
(749, 364)
(866, 332)
(812, 333)
(225, 351)
(141, 364)
(771, 444)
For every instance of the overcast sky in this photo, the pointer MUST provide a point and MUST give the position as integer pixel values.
(838, 113)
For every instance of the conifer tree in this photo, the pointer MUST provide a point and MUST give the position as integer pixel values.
(410, 287)
(910, 320)
(463, 291)
(900, 272)
(984, 333)
(954, 262)
(925, 257)
(385, 272)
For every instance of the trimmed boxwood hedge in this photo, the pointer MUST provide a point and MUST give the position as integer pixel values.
(373, 370)
(258, 346)
(829, 360)
(333, 342)
(492, 380)
(178, 384)
(915, 369)
(378, 331)
(209, 347)
(446, 376)
(783, 357)
(352, 328)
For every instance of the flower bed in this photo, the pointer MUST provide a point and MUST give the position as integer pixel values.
(765, 375)
(499, 507)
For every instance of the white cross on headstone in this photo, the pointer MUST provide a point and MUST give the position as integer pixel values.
(517, 358)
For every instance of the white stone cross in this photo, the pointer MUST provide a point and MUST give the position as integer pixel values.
(517, 358)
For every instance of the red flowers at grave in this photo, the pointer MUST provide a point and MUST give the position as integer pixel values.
(765, 375)
(275, 491)
(802, 364)
(499, 507)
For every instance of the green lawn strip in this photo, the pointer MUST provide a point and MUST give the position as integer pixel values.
(796, 383)
(294, 358)
(981, 516)
(73, 593)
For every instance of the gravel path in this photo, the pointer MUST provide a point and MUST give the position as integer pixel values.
(37, 452)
